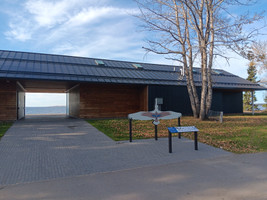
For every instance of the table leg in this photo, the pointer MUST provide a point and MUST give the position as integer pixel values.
(170, 142)
(195, 136)
(130, 130)
(156, 132)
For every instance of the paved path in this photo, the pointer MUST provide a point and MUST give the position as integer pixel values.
(51, 148)
(234, 177)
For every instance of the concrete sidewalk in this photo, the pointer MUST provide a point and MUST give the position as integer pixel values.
(233, 177)
(55, 147)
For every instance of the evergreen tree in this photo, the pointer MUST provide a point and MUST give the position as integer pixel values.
(265, 100)
(247, 97)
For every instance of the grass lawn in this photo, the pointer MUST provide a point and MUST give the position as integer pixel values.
(239, 134)
(4, 126)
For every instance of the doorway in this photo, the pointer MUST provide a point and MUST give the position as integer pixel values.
(45, 104)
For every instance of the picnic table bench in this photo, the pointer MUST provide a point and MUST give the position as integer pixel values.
(179, 130)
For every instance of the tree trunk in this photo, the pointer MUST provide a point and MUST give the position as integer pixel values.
(202, 114)
(194, 90)
(192, 101)
(191, 89)
(209, 95)
(203, 54)
(211, 48)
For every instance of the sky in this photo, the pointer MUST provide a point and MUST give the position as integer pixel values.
(91, 28)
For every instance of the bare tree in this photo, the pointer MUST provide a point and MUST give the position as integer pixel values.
(192, 31)
(259, 50)
(256, 53)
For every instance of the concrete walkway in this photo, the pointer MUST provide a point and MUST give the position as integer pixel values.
(234, 177)
(55, 147)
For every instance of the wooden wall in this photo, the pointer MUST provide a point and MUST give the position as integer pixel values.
(111, 100)
(8, 101)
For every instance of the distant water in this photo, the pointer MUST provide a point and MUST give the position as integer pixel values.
(261, 107)
(45, 110)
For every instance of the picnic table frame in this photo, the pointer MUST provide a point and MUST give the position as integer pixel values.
(156, 129)
(182, 129)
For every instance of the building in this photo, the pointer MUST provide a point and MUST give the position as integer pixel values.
(98, 88)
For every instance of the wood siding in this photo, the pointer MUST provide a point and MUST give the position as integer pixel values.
(8, 101)
(110, 100)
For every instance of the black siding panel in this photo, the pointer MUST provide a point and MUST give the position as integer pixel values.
(176, 98)
(217, 101)
(232, 102)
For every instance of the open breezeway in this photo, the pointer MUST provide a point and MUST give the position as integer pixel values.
(45, 104)
(51, 147)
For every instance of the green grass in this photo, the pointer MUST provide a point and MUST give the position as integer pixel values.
(4, 126)
(238, 133)
(106, 126)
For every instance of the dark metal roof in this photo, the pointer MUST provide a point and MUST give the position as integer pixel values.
(24, 65)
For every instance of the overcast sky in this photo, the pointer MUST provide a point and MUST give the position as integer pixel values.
(90, 28)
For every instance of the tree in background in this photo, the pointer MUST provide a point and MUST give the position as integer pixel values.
(257, 56)
(265, 100)
(193, 32)
(247, 98)
(259, 50)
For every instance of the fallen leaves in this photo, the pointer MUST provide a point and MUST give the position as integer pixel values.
(239, 134)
